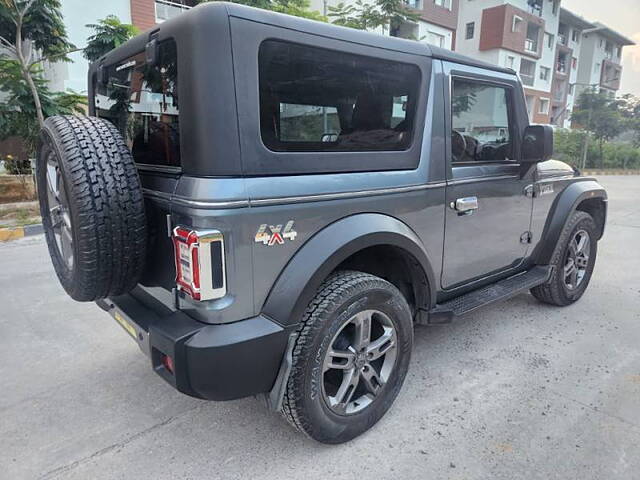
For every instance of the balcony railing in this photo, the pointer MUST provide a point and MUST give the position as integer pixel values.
(531, 45)
(166, 9)
(527, 80)
(562, 39)
(415, 4)
(561, 67)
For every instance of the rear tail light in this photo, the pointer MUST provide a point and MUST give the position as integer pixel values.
(200, 267)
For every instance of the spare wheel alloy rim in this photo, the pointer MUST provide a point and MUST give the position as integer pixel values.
(59, 213)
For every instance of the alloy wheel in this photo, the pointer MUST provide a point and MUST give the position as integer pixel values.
(359, 362)
(577, 259)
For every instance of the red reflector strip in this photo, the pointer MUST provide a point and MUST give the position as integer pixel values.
(167, 362)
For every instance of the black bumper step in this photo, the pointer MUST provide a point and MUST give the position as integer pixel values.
(502, 290)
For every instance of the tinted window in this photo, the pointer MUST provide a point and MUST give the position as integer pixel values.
(142, 101)
(313, 99)
(480, 122)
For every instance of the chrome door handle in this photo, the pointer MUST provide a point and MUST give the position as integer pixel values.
(466, 205)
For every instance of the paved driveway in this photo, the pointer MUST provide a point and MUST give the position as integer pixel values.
(517, 390)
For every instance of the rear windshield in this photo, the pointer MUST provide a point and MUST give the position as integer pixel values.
(142, 101)
(313, 99)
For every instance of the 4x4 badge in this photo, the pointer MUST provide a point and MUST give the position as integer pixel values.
(275, 234)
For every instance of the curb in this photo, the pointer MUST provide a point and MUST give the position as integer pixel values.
(8, 234)
(610, 172)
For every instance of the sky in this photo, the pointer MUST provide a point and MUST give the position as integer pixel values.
(624, 17)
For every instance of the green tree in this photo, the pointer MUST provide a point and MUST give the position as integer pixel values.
(32, 31)
(18, 110)
(298, 8)
(388, 14)
(109, 33)
(600, 115)
(629, 106)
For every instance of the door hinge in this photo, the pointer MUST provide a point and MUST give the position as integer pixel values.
(526, 237)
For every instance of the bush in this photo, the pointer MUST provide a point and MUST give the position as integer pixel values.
(15, 166)
(569, 144)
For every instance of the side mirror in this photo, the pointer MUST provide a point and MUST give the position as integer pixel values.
(537, 144)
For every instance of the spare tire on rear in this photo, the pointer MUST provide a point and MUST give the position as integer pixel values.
(92, 207)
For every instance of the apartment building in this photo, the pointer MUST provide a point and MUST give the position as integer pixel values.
(600, 63)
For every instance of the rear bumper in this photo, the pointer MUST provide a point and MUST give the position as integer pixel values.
(214, 362)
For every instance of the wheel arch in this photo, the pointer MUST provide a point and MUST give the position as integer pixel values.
(587, 196)
(348, 243)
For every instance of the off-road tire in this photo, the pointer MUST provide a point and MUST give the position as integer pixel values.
(340, 295)
(555, 291)
(104, 204)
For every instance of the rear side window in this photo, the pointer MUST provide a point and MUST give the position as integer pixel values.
(314, 100)
(142, 101)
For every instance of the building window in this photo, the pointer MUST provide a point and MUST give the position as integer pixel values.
(443, 3)
(596, 68)
(166, 9)
(517, 23)
(319, 100)
(436, 39)
(471, 30)
(416, 4)
(574, 62)
(545, 73)
(535, 7)
(480, 122)
(531, 41)
(543, 106)
(556, 4)
(527, 72)
(575, 35)
(571, 86)
(510, 62)
(549, 39)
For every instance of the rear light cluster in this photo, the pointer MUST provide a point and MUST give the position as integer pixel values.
(200, 266)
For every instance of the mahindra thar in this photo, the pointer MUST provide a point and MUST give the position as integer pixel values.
(268, 205)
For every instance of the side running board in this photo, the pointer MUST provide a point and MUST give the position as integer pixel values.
(502, 290)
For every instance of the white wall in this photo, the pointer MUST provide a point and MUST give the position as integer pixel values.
(425, 28)
(573, 75)
(77, 14)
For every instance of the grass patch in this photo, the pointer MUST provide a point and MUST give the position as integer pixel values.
(19, 216)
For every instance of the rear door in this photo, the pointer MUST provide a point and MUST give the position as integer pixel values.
(488, 211)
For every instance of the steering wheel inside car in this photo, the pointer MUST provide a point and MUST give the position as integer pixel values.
(458, 144)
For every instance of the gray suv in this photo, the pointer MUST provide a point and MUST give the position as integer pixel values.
(269, 205)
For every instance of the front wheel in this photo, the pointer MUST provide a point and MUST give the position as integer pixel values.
(350, 358)
(573, 261)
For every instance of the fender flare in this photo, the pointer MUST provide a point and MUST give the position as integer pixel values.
(324, 251)
(563, 207)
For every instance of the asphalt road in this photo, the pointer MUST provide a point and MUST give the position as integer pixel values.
(518, 390)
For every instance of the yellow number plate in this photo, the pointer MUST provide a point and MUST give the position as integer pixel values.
(125, 324)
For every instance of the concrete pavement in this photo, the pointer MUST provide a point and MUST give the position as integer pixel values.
(519, 390)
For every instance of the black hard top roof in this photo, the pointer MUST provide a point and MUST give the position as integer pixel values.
(218, 9)
(346, 34)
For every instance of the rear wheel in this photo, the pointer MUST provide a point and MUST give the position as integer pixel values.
(92, 207)
(350, 359)
(573, 262)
